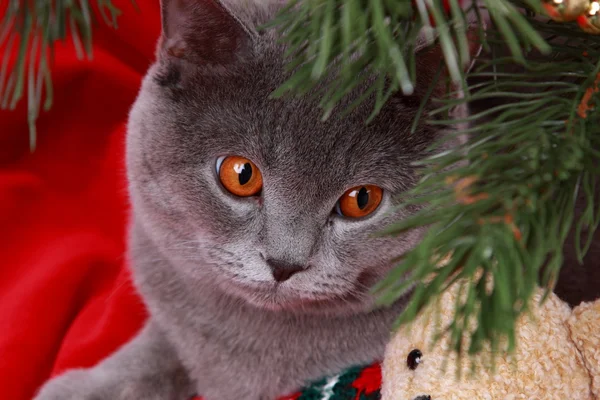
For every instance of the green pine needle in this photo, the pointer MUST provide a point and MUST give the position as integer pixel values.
(382, 35)
(33, 28)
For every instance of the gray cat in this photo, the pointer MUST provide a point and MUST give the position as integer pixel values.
(252, 228)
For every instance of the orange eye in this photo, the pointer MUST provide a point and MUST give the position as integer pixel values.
(239, 176)
(360, 201)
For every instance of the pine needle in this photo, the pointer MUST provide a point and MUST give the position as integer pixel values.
(34, 27)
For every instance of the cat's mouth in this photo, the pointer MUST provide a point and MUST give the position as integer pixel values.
(277, 297)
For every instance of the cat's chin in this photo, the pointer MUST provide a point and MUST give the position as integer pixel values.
(276, 298)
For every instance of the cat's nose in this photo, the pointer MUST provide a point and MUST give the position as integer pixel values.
(282, 271)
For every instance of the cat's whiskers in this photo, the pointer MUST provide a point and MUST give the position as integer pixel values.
(338, 288)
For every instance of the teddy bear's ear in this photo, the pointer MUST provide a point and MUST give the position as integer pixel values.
(584, 325)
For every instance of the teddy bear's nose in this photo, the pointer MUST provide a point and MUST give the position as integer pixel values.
(423, 398)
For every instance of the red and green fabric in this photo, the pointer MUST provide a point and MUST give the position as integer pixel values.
(356, 383)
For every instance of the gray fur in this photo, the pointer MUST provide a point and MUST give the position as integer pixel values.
(220, 326)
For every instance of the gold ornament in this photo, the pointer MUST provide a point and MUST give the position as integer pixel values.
(565, 10)
(590, 20)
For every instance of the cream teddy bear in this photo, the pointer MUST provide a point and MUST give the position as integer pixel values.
(557, 357)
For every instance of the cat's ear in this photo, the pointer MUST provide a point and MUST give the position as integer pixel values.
(430, 57)
(202, 31)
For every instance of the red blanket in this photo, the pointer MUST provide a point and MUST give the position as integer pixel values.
(65, 296)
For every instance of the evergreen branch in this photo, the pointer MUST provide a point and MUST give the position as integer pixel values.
(504, 216)
(348, 36)
(33, 27)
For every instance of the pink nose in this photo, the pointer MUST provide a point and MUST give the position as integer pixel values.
(282, 271)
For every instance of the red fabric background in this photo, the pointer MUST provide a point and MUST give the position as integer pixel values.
(65, 297)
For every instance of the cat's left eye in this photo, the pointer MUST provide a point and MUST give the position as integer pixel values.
(359, 201)
(239, 175)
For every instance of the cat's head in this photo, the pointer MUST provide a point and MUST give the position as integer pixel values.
(256, 195)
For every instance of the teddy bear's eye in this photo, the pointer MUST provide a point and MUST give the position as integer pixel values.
(414, 359)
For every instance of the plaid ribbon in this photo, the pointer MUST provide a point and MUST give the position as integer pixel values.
(356, 383)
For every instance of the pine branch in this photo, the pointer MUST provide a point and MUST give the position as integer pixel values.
(33, 27)
(382, 35)
(505, 214)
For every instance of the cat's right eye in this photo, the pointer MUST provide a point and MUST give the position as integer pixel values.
(359, 201)
(239, 176)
